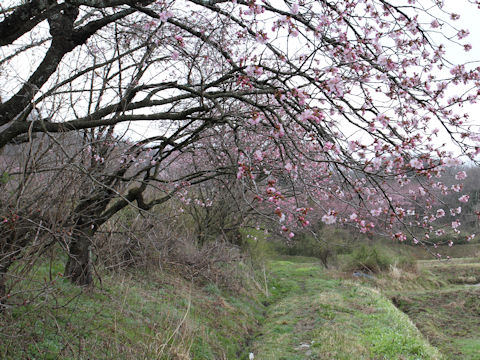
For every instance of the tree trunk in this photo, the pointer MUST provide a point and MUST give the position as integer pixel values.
(79, 268)
(3, 289)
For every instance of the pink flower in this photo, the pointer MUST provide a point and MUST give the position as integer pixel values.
(454, 16)
(328, 146)
(451, 162)
(416, 164)
(291, 235)
(464, 198)
(179, 39)
(461, 175)
(255, 119)
(462, 34)
(376, 212)
(306, 115)
(258, 155)
(254, 70)
(456, 187)
(250, 70)
(241, 172)
(400, 236)
(440, 213)
(295, 9)
(329, 218)
(165, 15)
(261, 37)
(456, 211)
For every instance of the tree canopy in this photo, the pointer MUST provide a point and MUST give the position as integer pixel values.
(342, 111)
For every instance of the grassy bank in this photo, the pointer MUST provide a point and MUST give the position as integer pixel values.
(315, 316)
(308, 312)
(158, 315)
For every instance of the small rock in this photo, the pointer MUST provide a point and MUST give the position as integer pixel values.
(302, 346)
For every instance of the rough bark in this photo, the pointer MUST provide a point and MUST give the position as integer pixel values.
(79, 268)
(3, 288)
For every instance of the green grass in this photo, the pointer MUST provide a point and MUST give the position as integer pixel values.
(131, 316)
(315, 316)
(455, 271)
(310, 313)
(449, 318)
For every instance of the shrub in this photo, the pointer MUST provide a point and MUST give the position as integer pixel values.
(370, 259)
(258, 246)
(324, 244)
(308, 245)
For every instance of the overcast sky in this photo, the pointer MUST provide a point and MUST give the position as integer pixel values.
(469, 19)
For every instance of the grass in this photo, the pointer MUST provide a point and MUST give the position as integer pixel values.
(456, 271)
(447, 312)
(310, 313)
(449, 319)
(132, 316)
(315, 316)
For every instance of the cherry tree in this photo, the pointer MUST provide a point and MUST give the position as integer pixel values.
(327, 107)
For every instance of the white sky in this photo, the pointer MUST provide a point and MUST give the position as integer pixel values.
(469, 19)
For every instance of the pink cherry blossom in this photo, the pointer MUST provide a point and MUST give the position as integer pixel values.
(461, 175)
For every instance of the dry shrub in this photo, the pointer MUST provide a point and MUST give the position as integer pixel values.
(208, 264)
(134, 240)
(398, 272)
